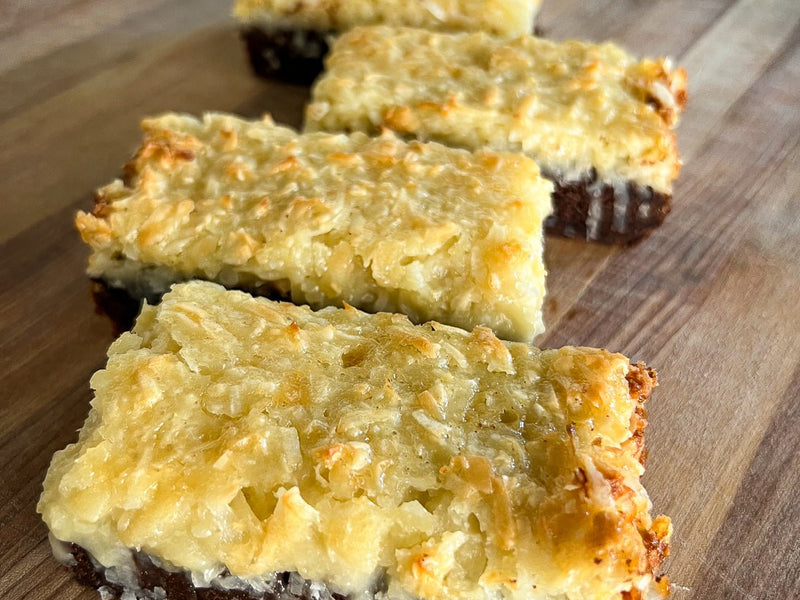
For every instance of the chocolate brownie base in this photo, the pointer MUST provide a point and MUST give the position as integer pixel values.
(178, 585)
(115, 303)
(295, 56)
(599, 211)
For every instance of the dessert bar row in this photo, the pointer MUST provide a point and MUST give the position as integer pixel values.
(386, 224)
(242, 448)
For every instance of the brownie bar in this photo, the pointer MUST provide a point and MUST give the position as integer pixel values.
(233, 439)
(598, 121)
(598, 211)
(379, 223)
(295, 56)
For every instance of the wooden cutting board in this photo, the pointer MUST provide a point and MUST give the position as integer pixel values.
(712, 299)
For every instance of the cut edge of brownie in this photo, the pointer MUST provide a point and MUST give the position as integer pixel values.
(610, 212)
(150, 580)
(118, 304)
(292, 55)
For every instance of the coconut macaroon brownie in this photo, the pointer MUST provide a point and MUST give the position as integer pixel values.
(597, 121)
(382, 224)
(241, 448)
(289, 38)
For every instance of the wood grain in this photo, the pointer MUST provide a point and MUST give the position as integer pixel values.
(710, 299)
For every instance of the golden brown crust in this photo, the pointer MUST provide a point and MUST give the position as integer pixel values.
(641, 381)
(102, 206)
(661, 85)
(656, 540)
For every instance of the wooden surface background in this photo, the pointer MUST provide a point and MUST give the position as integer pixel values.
(712, 299)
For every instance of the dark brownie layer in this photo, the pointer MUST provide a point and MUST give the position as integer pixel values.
(115, 303)
(599, 211)
(179, 586)
(295, 56)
